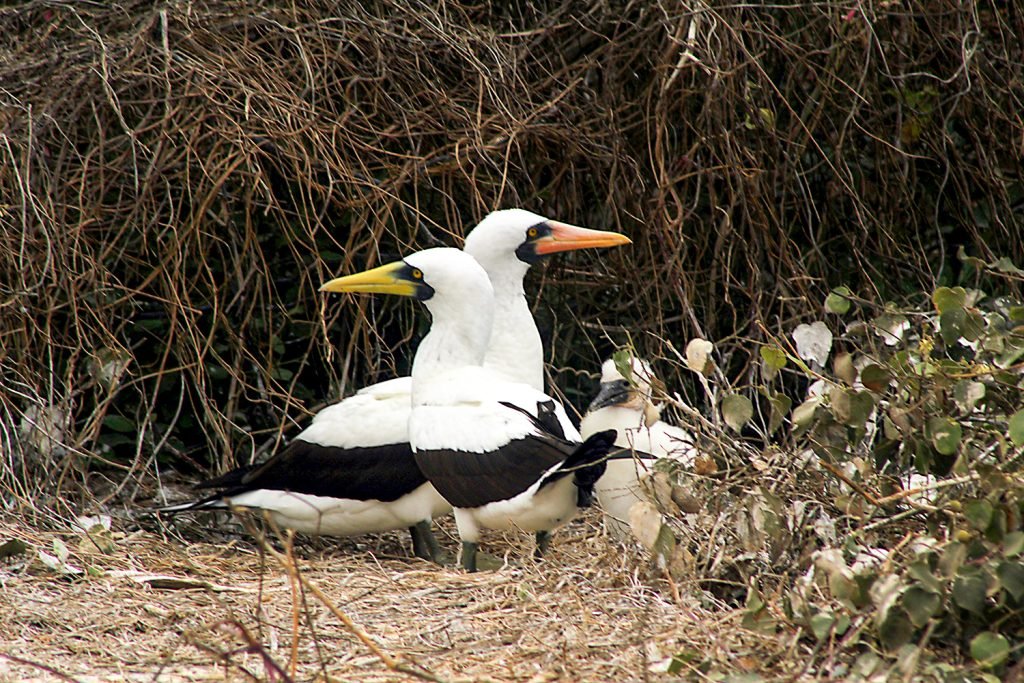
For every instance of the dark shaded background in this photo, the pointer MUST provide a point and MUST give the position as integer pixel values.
(177, 180)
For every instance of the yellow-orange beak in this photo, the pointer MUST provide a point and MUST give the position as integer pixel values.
(392, 278)
(565, 237)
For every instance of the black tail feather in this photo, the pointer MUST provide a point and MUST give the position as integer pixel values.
(586, 464)
(590, 460)
(230, 484)
(228, 480)
(216, 501)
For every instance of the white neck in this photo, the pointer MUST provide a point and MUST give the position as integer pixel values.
(458, 337)
(515, 349)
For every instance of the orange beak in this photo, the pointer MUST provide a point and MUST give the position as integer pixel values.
(565, 237)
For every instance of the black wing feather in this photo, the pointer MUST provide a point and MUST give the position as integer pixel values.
(384, 473)
(467, 480)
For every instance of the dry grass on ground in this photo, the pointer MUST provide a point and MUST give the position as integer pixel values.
(585, 614)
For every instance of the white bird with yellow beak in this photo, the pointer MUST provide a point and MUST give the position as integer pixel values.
(627, 406)
(352, 472)
(481, 440)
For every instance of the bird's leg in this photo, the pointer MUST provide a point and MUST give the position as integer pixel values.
(419, 541)
(543, 541)
(469, 556)
(437, 554)
(425, 545)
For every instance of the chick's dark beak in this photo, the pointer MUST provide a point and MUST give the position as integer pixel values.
(612, 394)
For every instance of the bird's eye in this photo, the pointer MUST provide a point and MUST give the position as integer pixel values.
(531, 233)
(417, 274)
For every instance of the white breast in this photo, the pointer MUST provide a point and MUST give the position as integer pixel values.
(619, 488)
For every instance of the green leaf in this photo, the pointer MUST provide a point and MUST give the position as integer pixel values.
(277, 345)
(973, 325)
(216, 372)
(1013, 543)
(972, 260)
(967, 393)
(923, 573)
(737, 411)
(780, 406)
(889, 429)
(865, 665)
(623, 361)
(952, 559)
(945, 434)
(1013, 349)
(756, 616)
(861, 405)
(969, 592)
(283, 374)
(1017, 428)
(1011, 575)
(119, 423)
(921, 604)
(838, 300)
(681, 659)
(803, 414)
(1005, 265)
(60, 549)
(951, 324)
(990, 649)
(115, 440)
(997, 529)
(151, 324)
(896, 630)
(821, 624)
(875, 377)
(664, 545)
(851, 407)
(773, 357)
(948, 299)
(978, 513)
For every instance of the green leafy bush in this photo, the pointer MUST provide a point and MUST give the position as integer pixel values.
(885, 508)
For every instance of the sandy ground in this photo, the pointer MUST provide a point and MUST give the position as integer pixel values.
(592, 610)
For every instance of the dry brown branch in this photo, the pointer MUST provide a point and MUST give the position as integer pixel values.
(166, 227)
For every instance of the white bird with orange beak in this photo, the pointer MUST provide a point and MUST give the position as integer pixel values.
(485, 443)
(352, 472)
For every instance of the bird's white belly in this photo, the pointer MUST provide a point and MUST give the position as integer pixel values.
(326, 516)
(618, 490)
(548, 508)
